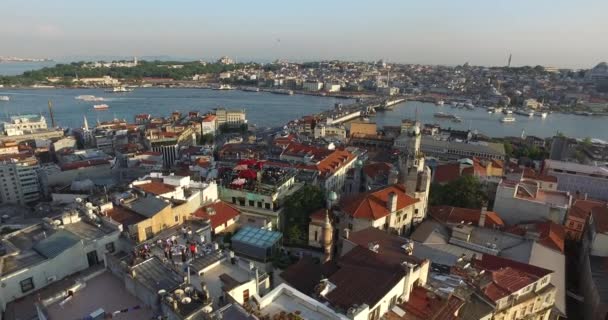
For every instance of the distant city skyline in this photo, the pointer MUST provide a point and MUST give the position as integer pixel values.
(549, 33)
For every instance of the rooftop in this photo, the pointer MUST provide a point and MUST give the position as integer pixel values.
(373, 205)
(455, 215)
(155, 275)
(257, 237)
(218, 212)
(147, 206)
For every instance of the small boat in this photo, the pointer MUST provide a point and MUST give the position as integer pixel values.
(541, 114)
(251, 89)
(469, 106)
(498, 109)
(443, 115)
(457, 119)
(507, 111)
(440, 102)
(491, 110)
(507, 119)
(5, 98)
(223, 87)
(527, 113)
(101, 107)
(119, 89)
(88, 97)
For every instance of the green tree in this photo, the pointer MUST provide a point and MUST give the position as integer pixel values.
(465, 192)
(508, 149)
(298, 208)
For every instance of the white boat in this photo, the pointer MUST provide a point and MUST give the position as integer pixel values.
(498, 109)
(440, 102)
(119, 89)
(101, 107)
(528, 113)
(88, 97)
(491, 110)
(223, 87)
(251, 89)
(507, 111)
(507, 119)
(541, 114)
(5, 98)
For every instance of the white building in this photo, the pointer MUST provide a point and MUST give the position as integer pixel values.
(232, 118)
(24, 124)
(574, 177)
(42, 254)
(525, 200)
(312, 86)
(209, 125)
(331, 87)
(19, 182)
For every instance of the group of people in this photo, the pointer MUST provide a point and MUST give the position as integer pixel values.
(171, 248)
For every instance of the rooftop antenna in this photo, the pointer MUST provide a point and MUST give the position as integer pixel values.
(509, 61)
(51, 113)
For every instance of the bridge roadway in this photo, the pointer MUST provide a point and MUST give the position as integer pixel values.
(342, 113)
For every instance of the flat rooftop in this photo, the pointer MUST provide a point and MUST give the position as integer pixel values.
(103, 291)
(225, 268)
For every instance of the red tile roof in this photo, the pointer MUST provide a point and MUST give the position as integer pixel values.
(582, 209)
(155, 187)
(449, 214)
(390, 246)
(218, 212)
(373, 205)
(477, 169)
(331, 163)
(446, 173)
(551, 235)
(423, 304)
(124, 216)
(374, 170)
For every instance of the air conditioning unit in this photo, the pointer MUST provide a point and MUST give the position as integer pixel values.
(51, 279)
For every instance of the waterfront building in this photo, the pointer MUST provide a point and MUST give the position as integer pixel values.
(363, 129)
(20, 184)
(25, 124)
(208, 125)
(230, 118)
(331, 87)
(453, 150)
(579, 178)
(312, 86)
(322, 131)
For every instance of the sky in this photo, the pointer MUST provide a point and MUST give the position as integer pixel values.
(561, 33)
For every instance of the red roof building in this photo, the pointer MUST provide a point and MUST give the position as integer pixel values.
(446, 173)
(220, 214)
(424, 304)
(455, 215)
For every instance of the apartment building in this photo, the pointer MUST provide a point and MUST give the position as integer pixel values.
(19, 181)
(230, 118)
(578, 178)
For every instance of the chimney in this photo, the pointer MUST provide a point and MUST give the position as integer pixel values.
(482, 216)
(391, 202)
(346, 233)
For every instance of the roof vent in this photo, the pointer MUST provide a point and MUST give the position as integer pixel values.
(210, 211)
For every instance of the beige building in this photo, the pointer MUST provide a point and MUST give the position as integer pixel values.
(231, 118)
(19, 179)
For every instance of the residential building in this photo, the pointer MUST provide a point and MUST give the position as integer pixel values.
(377, 175)
(230, 118)
(331, 87)
(453, 215)
(39, 255)
(389, 209)
(578, 216)
(375, 265)
(322, 131)
(578, 178)
(19, 179)
(258, 193)
(525, 200)
(220, 215)
(209, 125)
(536, 244)
(425, 303)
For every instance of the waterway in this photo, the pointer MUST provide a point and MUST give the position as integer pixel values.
(263, 108)
(17, 68)
(489, 124)
(271, 110)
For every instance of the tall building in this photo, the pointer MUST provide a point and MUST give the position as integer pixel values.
(19, 179)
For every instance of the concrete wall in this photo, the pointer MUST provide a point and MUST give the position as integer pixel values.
(599, 246)
(515, 210)
(68, 262)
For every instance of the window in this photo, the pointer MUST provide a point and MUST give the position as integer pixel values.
(242, 202)
(234, 200)
(350, 226)
(416, 211)
(27, 285)
(267, 205)
(251, 203)
(176, 218)
(246, 295)
(149, 233)
(110, 247)
(259, 204)
(316, 235)
(374, 314)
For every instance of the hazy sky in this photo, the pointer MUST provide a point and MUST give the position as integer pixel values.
(483, 32)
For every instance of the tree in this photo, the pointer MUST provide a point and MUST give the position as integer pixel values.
(465, 192)
(298, 208)
(508, 149)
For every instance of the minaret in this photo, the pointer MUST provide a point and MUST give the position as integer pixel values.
(328, 232)
(86, 123)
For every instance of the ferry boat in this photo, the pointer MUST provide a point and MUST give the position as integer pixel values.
(88, 97)
(101, 107)
(119, 89)
(223, 87)
(5, 98)
(282, 91)
(525, 113)
(443, 115)
(507, 119)
(251, 89)
(541, 114)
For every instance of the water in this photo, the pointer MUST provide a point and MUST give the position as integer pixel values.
(489, 124)
(17, 68)
(263, 109)
(266, 109)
